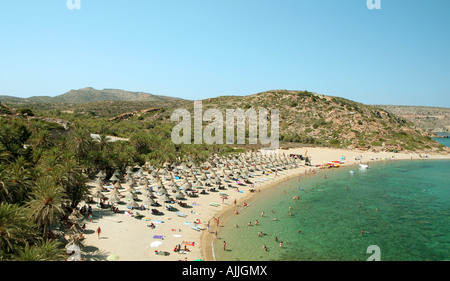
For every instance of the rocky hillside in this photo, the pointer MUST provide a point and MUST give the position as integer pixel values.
(311, 118)
(306, 118)
(436, 119)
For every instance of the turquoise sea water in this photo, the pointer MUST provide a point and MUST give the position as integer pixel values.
(402, 206)
(443, 141)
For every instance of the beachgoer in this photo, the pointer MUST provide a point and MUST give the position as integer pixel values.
(224, 245)
(262, 214)
(99, 230)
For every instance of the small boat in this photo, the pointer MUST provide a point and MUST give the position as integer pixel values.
(363, 166)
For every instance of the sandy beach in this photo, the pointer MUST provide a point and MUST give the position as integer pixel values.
(130, 238)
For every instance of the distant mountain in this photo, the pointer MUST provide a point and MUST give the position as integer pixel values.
(88, 95)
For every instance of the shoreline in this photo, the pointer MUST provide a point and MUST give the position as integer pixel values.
(207, 238)
(131, 238)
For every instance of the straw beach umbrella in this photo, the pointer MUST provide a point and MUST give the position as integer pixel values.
(114, 199)
(75, 215)
(148, 201)
(76, 229)
(132, 204)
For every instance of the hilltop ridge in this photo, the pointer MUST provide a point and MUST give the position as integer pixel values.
(306, 118)
(89, 95)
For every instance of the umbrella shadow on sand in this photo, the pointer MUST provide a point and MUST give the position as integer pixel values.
(92, 253)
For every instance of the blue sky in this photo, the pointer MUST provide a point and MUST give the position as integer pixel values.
(206, 48)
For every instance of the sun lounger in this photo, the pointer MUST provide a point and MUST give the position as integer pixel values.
(195, 228)
(198, 227)
(171, 208)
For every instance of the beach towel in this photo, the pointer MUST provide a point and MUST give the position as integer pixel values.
(157, 222)
(158, 236)
(187, 223)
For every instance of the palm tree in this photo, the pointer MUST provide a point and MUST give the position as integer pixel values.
(15, 181)
(15, 229)
(43, 250)
(103, 143)
(41, 139)
(80, 143)
(46, 204)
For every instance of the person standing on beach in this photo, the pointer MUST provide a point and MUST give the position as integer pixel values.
(224, 245)
(99, 230)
